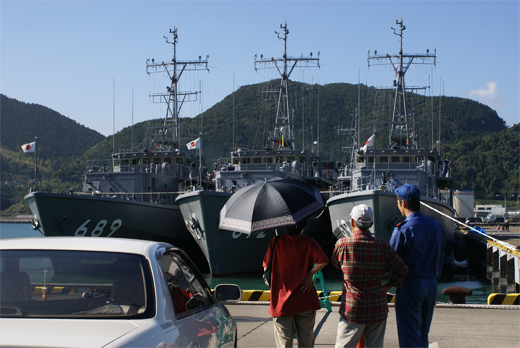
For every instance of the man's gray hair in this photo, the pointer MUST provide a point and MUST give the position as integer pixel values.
(363, 225)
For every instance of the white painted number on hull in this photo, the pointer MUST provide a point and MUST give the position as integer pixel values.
(98, 230)
(236, 234)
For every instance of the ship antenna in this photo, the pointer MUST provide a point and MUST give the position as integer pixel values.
(173, 98)
(402, 132)
(284, 128)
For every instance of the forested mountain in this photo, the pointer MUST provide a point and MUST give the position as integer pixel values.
(60, 140)
(334, 105)
(22, 122)
(485, 152)
(488, 164)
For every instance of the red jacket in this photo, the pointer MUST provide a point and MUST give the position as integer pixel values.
(293, 258)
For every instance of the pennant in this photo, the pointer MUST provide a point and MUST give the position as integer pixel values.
(195, 144)
(30, 147)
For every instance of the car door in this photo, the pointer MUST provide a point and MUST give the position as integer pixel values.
(201, 322)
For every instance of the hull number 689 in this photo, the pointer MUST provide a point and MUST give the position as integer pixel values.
(98, 229)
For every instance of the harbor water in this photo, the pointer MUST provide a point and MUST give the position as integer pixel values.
(462, 275)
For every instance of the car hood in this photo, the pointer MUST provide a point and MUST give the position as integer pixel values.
(62, 332)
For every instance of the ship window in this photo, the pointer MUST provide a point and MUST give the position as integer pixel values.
(383, 159)
(179, 161)
(395, 159)
(245, 160)
(279, 159)
(168, 160)
(360, 159)
(303, 159)
(146, 161)
(116, 163)
(370, 159)
(236, 160)
(291, 158)
(257, 160)
(135, 161)
(157, 160)
(406, 159)
(269, 159)
(125, 162)
(419, 158)
(431, 158)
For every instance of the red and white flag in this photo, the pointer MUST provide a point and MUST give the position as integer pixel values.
(30, 147)
(369, 142)
(195, 144)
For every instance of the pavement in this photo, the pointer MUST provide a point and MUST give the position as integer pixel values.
(458, 326)
(512, 237)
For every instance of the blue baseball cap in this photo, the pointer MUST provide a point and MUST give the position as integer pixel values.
(408, 193)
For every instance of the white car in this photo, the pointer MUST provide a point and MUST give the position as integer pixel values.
(108, 292)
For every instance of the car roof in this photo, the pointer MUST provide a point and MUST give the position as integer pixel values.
(124, 245)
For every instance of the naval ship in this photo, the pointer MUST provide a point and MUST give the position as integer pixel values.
(132, 194)
(229, 252)
(373, 172)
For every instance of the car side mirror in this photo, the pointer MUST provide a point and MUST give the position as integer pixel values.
(227, 292)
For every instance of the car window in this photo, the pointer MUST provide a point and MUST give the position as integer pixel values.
(74, 284)
(187, 291)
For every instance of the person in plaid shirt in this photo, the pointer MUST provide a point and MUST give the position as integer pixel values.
(364, 260)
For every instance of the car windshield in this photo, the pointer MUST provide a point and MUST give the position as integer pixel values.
(74, 284)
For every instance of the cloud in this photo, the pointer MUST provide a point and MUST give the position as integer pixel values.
(487, 96)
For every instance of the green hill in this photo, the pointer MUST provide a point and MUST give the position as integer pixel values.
(22, 122)
(485, 152)
(460, 118)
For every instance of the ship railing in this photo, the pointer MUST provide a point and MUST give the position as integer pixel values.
(162, 169)
(99, 166)
(160, 197)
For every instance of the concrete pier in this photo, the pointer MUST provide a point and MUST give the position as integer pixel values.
(502, 264)
(460, 326)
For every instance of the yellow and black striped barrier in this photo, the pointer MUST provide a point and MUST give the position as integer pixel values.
(53, 290)
(265, 295)
(504, 299)
(390, 298)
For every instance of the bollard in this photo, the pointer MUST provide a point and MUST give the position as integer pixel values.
(457, 294)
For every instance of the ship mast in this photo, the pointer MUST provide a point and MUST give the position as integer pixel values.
(174, 99)
(402, 132)
(283, 135)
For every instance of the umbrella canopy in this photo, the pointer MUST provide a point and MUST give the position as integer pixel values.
(272, 204)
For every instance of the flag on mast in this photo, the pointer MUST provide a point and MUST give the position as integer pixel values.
(29, 147)
(195, 144)
(369, 142)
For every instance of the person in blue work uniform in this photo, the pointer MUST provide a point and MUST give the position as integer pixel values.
(419, 241)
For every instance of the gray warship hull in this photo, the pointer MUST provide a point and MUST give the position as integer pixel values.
(386, 213)
(229, 252)
(226, 252)
(97, 216)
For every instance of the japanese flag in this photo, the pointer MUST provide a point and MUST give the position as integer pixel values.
(30, 147)
(195, 144)
(369, 142)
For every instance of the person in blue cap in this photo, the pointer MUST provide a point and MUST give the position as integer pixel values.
(419, 241)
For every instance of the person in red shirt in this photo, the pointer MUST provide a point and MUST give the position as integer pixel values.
(294, 299)
(364, 260)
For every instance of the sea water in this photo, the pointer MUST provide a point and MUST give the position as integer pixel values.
(462, 275)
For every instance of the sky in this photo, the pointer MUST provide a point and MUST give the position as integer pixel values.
(87, 59)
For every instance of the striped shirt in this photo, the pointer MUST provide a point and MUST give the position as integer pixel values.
(364, 260)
